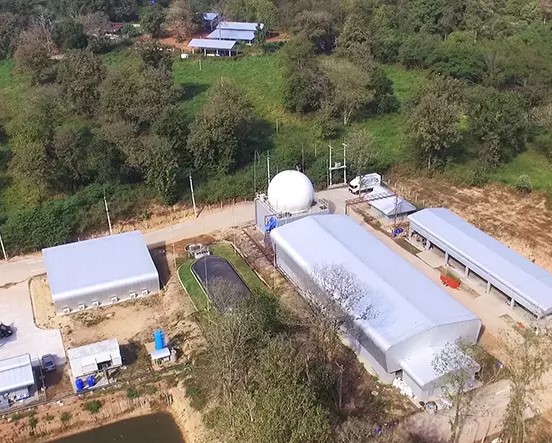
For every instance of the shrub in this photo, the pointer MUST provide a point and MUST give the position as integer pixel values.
(417, 51)
(93, 406)
(33, 421)
(65, 417)
(132, 392)
(523, 184)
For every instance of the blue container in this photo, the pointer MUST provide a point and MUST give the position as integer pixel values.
(159, 339)
(91, 381)
(79, 384)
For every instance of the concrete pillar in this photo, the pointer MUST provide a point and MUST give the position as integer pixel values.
(446, 258)
(410, 233)
(466, 272)
(488, 288)
(427, 245)
(512, 303)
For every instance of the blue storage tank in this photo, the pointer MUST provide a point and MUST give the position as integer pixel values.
(79, 384)
(159, 339)
(91, 381)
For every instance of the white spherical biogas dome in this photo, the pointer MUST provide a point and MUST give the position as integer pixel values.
(290, 191)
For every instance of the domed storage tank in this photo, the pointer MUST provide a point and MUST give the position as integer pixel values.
(290, 191)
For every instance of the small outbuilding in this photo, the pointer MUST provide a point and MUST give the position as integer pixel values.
(100, 271)
(387, 206)
(210, 20)
(16, 379)
(94, 357)
(213, 47)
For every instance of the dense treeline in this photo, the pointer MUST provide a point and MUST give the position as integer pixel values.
(80, 122)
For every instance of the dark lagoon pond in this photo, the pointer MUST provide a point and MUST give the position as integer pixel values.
(154, 428)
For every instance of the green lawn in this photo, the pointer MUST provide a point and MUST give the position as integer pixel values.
(191, 285)
(530, 162)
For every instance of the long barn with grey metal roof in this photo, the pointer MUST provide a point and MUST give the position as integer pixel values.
(524, 282)
(411, 319)
(100, 271)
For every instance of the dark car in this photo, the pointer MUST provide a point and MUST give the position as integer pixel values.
(5, 331)
(48, 363)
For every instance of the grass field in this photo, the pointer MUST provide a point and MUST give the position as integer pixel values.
(225, 250)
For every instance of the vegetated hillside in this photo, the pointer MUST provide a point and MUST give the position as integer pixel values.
(461, 88)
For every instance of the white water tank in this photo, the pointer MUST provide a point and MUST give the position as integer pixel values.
(290, 191)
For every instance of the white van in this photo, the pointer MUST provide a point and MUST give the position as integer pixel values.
(364, 183)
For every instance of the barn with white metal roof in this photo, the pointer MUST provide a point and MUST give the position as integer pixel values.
(414, 319)
(500, 267)
(232, 35)
(100, 271)
(240, 26)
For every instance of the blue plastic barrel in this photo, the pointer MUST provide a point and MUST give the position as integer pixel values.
(159, 339)
(79, 384)
(91, 381)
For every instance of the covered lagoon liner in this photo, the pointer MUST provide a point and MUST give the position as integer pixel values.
(514, 275)
(100, 271)
(413, 318)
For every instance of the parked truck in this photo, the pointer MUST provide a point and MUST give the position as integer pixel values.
(364, 183)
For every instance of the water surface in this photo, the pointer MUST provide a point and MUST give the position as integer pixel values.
(154, 428)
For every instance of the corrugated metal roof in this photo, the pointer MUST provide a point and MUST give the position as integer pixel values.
(93, 349)
(230, 34)
(405, 301)
(210, 16)
(240, 26)
(97, 264)
(160, 353)
(16, 373)
(523, 277)
(389, 203)
(204, 43)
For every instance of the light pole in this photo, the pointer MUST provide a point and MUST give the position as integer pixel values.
(107, 214)
(193, 196)
(3, 249)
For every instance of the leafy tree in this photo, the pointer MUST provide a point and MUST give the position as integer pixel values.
(69, 34)
(155, 55)
(152, 20)
(137, 96)
(459, 58)
(319, 28)
(32, 57)
(161, 167)
(456, 370)
(363, 155)
(80, 75)
(438, 16)
(305, 83)
(477, 15)
(68, 154)
(500, 122)
(351, 89)
(433, 121)
(261, 11)
(10, 27)
(183, 20)
(417, 51)
(219, 132)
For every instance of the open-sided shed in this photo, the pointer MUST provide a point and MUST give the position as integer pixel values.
(500, 267)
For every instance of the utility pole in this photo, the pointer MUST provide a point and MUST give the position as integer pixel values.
(107, 214)
(330, 164)
(3, 249)
(345, 163)
(193, 196)
(255, 172)
(268, 169)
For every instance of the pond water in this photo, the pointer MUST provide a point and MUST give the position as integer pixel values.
(154, 428)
